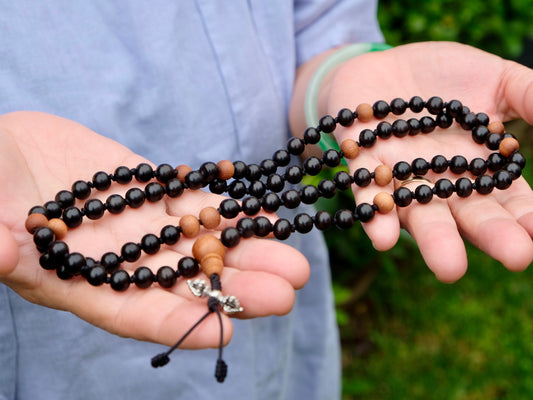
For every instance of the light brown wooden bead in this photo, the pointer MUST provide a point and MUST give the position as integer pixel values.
(383, 175)
(210, 217)
(496, 127)
(365, 112)
(210, 253)
(350, 149)
(182, 170)
(190, 226)
(35, 221)
(508, 146)
(59, 227)
(226, 169)
(384, 202)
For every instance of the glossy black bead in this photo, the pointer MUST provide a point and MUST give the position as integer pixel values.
(188, 267)
(257, 189)
(495, 161)
(444, 188)
(135, 197)
(303, 223)
(402, 197)
(110, 261)
(427, 124)
(63, 273)
(362, 177)
(384, 130)
(444, 120)
(150, 243)
(130, 252)
(271, 202)
(209, 171)
(97, 275)
(217, 186)
(120, 280)
(94, 209)
(331, 158)
(65, 199)
(312, 166)
(41, 210)
(282, 229)
(468, 121)
(327, 188)
(294, 174)
(169, 235)
(381, 109)
(282, 158)
(493, 141)
(365, 212)
(343, 180)
(73, 263)
(480, 134)
(295, 146)
(246, 227)
(263, 226)
(165, 172)
(45, 261)
(402, 170)
(484, 184)
(517, 158)
(477, 166)
(420, 167)
(240, 169)
(72, 217)
(416, 104)
(311, 136)
(344, 219)
(454, 108)
(367, 138)
(144, 172)
(154, 192)
(291, 198)
(323, 220)
(174, 188)
(53, 209)
(143, 277)
(57, 251)
(43, 237)
(229, 208)
(123, 175)
(81, 190)
(345, 117)
(327, 124)
(439, 164)
(434, 105)
(115, 204)
(254, 172)
(86, 269)
(398, 106)
(194, 180)
(423, 194)
(268, 167)
(482, 119)
(251, 205)
(463, 187)
(458, 165)
(414, 126)
(502, 179)
(101, 180)
(514, 170)
(309, 194)
(400, 128)
(237, 189)
(166, 277)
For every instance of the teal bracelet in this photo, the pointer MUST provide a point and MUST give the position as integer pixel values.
(334, 60)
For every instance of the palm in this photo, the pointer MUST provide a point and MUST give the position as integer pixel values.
(501, 224)
(41, 155)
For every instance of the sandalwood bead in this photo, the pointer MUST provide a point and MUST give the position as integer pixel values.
(210, 217)
(384, 202)
(35, 221)
(210, 252)
(59, 227)
(226, 169)
(182, 170)
(190, 226)
(365, 112)
(383, 175)
(350, 148)
(508, 146)
(496, 127)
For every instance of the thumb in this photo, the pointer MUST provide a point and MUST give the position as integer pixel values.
(9, 254)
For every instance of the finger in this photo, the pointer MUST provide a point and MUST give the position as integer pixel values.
(9, 254)
(518, 200)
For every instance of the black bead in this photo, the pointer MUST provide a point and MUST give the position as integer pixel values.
(434, 105)
(444, 188)
(444, 120)
(454, 108)
(120, 280)
(94, 209)
(365, 212)
(381, 109)
(484, 184)
(517, 158)
(294, 174)
(65, 199)
(420, 167)
(150, 243)
(343, 180)
(327, 188)
(275, 183)
(414, 126)
(194, 180)
(384, 130)
(237, 189)
(502, 179)
(303, 223)
(482, 119)
(345, 117)
(174, 188)
(81, 190)
(135, 197)
(188, 267)
(62, 273)
(53, 209)
(216, 186)
(493, 141)
(468, 121)
(311, 136)
(398, 106)
(312, 166)
(251, 205)
(73, 263)
(427, 124)
(144, 172)
(246, 227)
(477, 166)
(263, 226)
(344, 219)
(402, 170)
(423, 194)
(495, 161)
(122, 175)
(309, 194)
(115, 204)
(400, 128)
(362, 177)
(40, 210)
(166, 277)
(257, 189)
(143, 277)
(327, 124)
(240, 170)
(229, 208)
(416, 104)
(271, 202)
(402, 197)
(110, 261)
(254, 172)
(72, 217)
(282, 229)
(97, 275)
(323, 220)
(458, 165)
(291, 198)
(46, 262)
(282, 158)
(514, 170)
(165, 172)
(169, 235)
(130, 252)
(295, 146)
(463, 187)
(479, 134)
(439, 164)
(209, 171)
(101, 180)
(331, 158)
(154, 192)
(268, 167)
(57, 252)
(367, 138)
(43, 237)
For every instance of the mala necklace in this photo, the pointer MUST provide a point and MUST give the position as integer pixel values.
(262, 186)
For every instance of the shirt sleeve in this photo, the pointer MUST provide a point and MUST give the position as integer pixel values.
(322, 24)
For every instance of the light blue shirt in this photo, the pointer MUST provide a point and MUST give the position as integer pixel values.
(179, 82)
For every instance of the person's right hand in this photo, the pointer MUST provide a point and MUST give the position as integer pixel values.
(41, 154)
